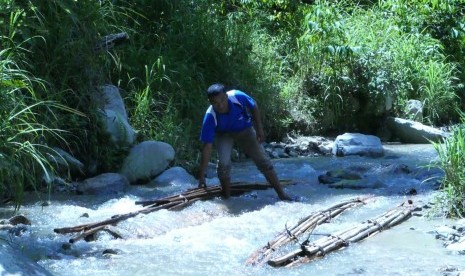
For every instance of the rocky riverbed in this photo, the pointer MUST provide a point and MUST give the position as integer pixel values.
(217, 236)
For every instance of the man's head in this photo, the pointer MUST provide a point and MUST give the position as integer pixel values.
(215, 89)
(218, 98)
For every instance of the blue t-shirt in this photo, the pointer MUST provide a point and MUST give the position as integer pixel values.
(237, 119)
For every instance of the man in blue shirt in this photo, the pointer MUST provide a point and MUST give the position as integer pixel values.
(233, 116)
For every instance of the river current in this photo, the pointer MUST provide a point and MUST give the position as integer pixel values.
(217, 236)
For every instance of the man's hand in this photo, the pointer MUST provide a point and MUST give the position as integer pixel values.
(206, 153)
(257, 121)
(260, 135)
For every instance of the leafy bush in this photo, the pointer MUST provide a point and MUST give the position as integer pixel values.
(355, 60)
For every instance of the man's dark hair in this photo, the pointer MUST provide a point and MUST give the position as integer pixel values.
(215, 89)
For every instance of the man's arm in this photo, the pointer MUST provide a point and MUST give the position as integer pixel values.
(204, 159)
(257, 122)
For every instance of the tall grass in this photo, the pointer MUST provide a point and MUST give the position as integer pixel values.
(67, 57)
(452, 162)
(28, 114)
(23, 152)
(437, 92)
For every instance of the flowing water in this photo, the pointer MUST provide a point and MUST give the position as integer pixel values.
(216, 237)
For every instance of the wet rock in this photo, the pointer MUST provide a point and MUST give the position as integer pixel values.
(60, 185)
(343, 174)
(104, 184)
(300, 146)
(460, 225)
(175, 176)
(457, 246)
(16, 225)
(360, 169)
(147, 160)
(409, 131)
(452, 238)
(395, 169)
(446, 231)
(336, 176)
(357, 184)
(91, 237)
(357, 144)
(19, 219)
(411, 191)
(327, 179)
(110, 252)
(446, 270)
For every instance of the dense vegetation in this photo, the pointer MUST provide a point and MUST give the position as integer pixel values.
(315, 67)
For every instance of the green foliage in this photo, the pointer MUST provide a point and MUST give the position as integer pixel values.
(313, 66)
(452, 162)
(66, 56)
(438, 92)
(23, 154)
(355, 59)
(441, 20)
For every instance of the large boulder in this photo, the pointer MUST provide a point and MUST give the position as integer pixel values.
(409, 131)
(175, 176)
(147, 160)
(114, 116)
(119, 129)
(110, 98)
(357, 144)
(65, 161)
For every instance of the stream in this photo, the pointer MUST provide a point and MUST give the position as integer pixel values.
(217, 236)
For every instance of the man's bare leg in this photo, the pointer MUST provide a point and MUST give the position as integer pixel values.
(226, 187)
(272, 178)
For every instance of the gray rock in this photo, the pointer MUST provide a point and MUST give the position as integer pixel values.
(458, 246)
(409, 131)
(110, 98)
(175, 176)
(147, 160)
(357, 184)
(119, 129)
(19, 219)
(104, 184)
(357, 144)
(63, 159)
(414, 110)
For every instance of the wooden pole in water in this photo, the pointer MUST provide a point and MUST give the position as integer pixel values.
(263, 254)
(344, 238)
(174, 202)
